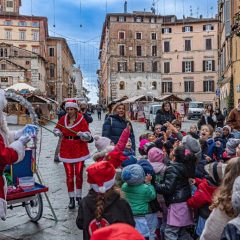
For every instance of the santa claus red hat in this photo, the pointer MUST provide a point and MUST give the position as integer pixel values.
(101, 176)
(71, 103)
(118, 231)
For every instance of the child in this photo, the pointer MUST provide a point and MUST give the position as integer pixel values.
(128, 149)
(176, 191)
(226, 135)
(158, 131)
(102, 204)
(138, 192)
(194, 131)
(231, 148)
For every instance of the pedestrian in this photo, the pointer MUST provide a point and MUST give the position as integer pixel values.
(38, 111)
(222, 208)
(116, 123)
(165, 114)
(208, 117)
(86, 113)
(232, 229)
(220, 118)
(103, 204)
(74, 148)
(109, 109)
(99, 112)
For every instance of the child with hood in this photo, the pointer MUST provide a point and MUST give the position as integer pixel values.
(231, 148)
(194, 131)
(227, 134)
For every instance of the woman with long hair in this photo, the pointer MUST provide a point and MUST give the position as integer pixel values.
(208, 117)
(222, 209)
(165, 114)
(116, 123)
(75, 134)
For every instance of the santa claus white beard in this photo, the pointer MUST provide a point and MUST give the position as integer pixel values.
(4, 130)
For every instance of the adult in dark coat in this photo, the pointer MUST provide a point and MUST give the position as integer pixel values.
(220, 118)
(208, 117)
(116, 123)
(165, 114)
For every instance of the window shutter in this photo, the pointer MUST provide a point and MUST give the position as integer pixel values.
(125, 18)
(118, 66)
(212, 27)
(162, 30)
(135, 66)
(204, 66)
(213, 65)
(191, 28)
(142, 67)
(227, 18)
(212, 85)
(192, 63)
(183, 66)
(204, 27)
(170, 30)
(183, 29)
(118, 19)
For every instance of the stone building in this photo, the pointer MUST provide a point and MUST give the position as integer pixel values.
(143, 53)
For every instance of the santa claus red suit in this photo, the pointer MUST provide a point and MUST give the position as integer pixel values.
(12, 150)
(73, 149)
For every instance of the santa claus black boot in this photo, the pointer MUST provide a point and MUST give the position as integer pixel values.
(71, 204)
(78, 199)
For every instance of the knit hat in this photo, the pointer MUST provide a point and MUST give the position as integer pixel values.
(147, 167)
(216, 171)
(231, 146)
(236, 195)
(218, 129)
(3, 100)
(101, 142)
(142, 143)
(101, 176)
(118, 231)
(228, 127)
(193, 145)
(129, 161)
(155, 155)
(133, 174)
(71, 103)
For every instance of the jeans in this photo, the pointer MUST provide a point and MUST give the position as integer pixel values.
(152, 222)
(142, 226)
(176, 233)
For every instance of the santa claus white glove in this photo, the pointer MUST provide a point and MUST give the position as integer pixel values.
(84, 136)
(29, 129)
(57, 132)
(3, 209)
(24, 139)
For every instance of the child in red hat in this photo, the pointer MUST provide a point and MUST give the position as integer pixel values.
(103, 205)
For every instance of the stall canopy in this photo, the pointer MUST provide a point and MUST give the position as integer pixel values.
(141, 98)
(37, 99)
(119, 100)
(170, 98)
(22, 88)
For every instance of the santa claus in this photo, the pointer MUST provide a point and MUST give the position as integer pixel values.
(74, 148)
(12, 150)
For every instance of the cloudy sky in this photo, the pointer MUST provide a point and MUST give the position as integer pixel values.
(80, 21)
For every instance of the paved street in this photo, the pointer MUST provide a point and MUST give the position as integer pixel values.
(18, 226)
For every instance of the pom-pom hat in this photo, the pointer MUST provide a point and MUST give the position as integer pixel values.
(71, 103)
(101, 176)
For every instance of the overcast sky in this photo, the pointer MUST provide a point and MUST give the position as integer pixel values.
(80, 21)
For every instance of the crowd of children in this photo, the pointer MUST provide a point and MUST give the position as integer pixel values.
(181, 186)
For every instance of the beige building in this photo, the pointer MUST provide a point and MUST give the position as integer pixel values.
(142, 53)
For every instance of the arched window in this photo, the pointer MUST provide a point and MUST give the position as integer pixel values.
(122, 85)
(139, 85)
(154, 85)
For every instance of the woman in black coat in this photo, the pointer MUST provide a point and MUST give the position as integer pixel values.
(220, 118)
(116, 123)
(165, 114)
(208, 117)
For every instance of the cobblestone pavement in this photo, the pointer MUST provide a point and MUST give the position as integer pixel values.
(18, 225)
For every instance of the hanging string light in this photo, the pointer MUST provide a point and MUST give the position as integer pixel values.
(80, 9)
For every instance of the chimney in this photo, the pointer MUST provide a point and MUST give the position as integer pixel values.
(125, 6)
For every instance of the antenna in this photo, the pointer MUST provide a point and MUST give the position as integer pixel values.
(80, 9)
(153, 8)
(191, 11)
(125, 6)
(54, 14)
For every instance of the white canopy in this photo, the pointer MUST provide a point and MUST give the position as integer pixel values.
(21, 86)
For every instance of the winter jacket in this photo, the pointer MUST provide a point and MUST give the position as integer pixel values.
(88, 117)
(116, 210)
(200, 171)
(139, 197)
(113, 127)
(233, 119)
(220, 120)
(175, 187)
(225, 139)
(232, 230)
(209, 121)
(162, 117)
(194, 135)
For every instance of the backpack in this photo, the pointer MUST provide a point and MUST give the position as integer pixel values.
(95, 225)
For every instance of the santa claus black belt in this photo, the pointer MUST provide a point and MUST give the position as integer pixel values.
(72, 138)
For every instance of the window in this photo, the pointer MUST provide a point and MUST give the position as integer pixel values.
(189, 86)
(15, 53)
(154, 36)
(139, 85)
(139, 50)
(8, 34)
(154, 85)
(121, 19)
(35, 35)
(166, 67)
(138, 35)
(52, 70)
(35, 49)
(188, 66)
(121, 35)
(208, 86)
(3, 66)
(208, 44)
(4, 79)
(122, 66)
(35, 24)
(51, 52)
(155, 66)
(121, 50)
(154, 51)
(10, 4)
(122, 85)
(166, 46)
(166, 30)
(22, 35)
(138, 19)
(208, 27)
(3, 52)
(167, 87)
(8, 23)
(152, 20)
(22, 24)
(188, 45)
(209, 65)
(139, 67)
(187, 29)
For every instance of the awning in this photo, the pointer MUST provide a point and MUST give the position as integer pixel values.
(22, 88)
(141, 98)
(170, 98)
(51, 100)
(37, 99)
